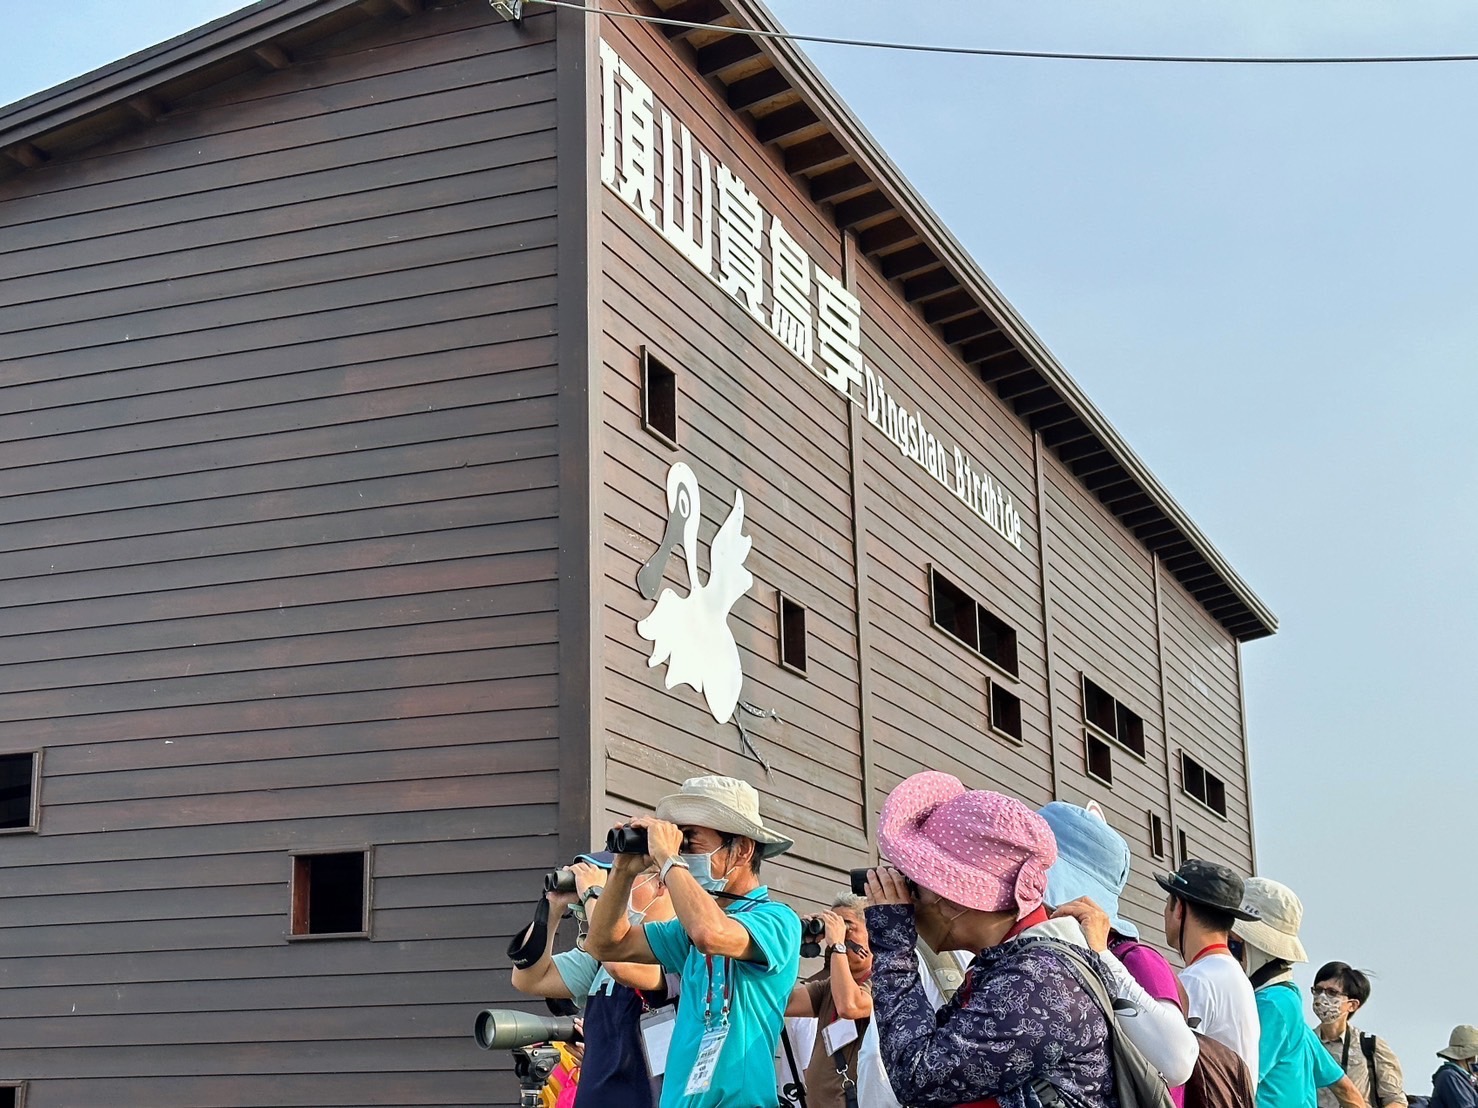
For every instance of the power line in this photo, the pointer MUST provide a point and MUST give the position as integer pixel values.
(986, 52)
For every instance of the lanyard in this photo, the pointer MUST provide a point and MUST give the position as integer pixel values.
(1205, 950)
(708, 997)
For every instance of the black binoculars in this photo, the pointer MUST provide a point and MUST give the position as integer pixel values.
(859, 882)
(812, 928)
(627, 840)
(560, 881)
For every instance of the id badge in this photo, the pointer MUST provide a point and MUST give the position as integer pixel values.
(838, 1034)
(707, 1061)
(656, 1038)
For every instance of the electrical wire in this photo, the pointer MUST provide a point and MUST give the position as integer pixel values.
(980, 51)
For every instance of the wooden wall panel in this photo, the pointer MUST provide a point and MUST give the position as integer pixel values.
(279, 571)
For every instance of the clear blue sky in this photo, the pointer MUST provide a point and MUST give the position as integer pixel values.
(1266, 278)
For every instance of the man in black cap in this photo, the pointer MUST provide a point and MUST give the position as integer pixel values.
(1205, 902)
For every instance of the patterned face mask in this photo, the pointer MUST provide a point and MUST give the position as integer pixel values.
(1328, 1007)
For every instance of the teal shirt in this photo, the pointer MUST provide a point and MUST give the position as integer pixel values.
(582, 975)
(745, 1074)
(1292, 1063)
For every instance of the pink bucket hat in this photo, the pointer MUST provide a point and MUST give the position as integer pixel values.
(981, 849)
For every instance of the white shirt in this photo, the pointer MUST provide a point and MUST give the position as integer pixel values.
(1219, 993)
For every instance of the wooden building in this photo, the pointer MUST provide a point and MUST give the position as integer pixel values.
(351, 350)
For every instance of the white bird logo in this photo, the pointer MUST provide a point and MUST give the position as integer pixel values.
(691, 633)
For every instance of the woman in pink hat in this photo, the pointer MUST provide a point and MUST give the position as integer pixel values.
(971, 871)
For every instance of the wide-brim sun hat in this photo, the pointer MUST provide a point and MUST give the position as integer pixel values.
(1280, 915)
(980, 849)
(725, 804)
(1092, 861)
(1461, 1044)
(1209, 884)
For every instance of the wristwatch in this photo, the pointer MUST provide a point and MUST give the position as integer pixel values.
(588, 895)
(675, 860)
(837, 948)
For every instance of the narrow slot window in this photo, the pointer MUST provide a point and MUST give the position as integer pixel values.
(18, 780)
(658, 398)
(1157, 836)
(1185, 848)
(1100, 759)
(330, 894)
(954, 611)
(1098, 707)
(1005, 712)
(998, 641)
(792, 635)
(1192, 779)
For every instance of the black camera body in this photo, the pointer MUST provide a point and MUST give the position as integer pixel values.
(859, 882)
(627, 840)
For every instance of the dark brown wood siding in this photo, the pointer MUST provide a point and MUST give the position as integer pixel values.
(822, 498)
(279, 571)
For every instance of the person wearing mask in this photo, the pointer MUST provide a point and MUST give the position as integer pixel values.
(971, 870)
(613, 1069)
(1292, 1063)
(1091, 871)
(1339, 992)
(840, 1000)
(737, 950)
(1205, 900)
(1453, 1083)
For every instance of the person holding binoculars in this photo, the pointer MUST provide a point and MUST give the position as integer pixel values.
(613, 995)
(737, 950)
(840, 1000)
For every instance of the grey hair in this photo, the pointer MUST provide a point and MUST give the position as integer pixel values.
(849, 899)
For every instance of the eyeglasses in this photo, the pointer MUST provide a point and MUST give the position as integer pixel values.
(1316, 991)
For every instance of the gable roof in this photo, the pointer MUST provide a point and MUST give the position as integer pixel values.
(790, 107)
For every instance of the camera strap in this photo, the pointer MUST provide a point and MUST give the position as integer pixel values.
(524, 952)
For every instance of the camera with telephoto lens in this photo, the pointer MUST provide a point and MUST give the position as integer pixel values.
(859, 882)
(812, 928)
(627, 840)
(560, 881)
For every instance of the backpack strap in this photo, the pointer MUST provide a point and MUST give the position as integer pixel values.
(944, 970)
(1367, 1048)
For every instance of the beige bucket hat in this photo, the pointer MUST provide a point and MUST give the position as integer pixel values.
(1280, 914)
(726, 804)
(1461, 1044)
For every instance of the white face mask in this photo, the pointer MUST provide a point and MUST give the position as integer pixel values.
(633, 917)
(701, 867)
(1328, 1008)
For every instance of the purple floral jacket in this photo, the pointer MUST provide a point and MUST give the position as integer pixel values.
(1020, 1016)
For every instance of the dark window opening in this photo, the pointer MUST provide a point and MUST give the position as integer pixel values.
(998, 641)
(1199, 784)
(13, 1095)
(658, 398)
(1005, 712)
(1113, 718)
(792, 635)
(1157, 837)
(961, 616)
(328, 894)
(1185, 848)
(954, 612)
(17, 793)
(1100, 759)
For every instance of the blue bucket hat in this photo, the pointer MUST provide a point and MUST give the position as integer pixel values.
(1092, 861)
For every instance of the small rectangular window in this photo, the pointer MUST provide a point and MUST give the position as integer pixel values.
(13, 1094)
(1157, 837)
(1005, 711)
(1185, 848)
(954, 611)
(658, 398)
(998, 641)
(1100, 759)
(792, 635)
(1129, 728)
(19, 778)
(331, 894)
(1098, 707)
(1199, 784)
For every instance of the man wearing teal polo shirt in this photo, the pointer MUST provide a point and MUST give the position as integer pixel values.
(738, 951)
